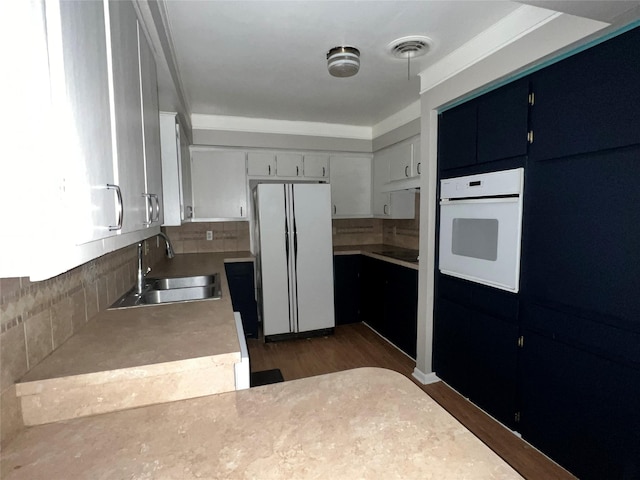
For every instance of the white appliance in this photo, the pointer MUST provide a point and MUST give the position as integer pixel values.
(294, 258)
(481, 227)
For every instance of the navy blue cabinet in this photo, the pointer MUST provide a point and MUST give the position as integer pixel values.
(346, 285)
(580, 409)
(390, 302)
(457, 136)
(588, 102)
(476, 344)
(490, 128)
(241, 282)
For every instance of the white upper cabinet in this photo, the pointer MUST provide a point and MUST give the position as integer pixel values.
(350, 179)
(151, 133)
(219, 184)
(91, 184)
(316, 166)
(261, 164)
(387, 204)
(401, 165)
(79, 72)
(127, 113)
(176, 171)
(289, 165)
(415, 155)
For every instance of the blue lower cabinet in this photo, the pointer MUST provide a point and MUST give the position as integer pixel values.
(580, 409)
(346, 286)
(240, 277)
(389, 304)
(475, 348)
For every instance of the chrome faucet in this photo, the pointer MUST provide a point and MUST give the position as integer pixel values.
(141, 273)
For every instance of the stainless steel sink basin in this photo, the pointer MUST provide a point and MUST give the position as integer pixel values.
(172, 289)
(182, 282)
(153, 297)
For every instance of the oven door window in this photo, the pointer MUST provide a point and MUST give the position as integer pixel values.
(475, 238)
(480, 241)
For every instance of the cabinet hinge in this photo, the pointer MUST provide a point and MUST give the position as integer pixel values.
(521, 341)
(517, 417)
(532, 99)
(530, 136)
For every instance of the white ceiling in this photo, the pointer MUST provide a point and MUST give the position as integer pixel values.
(267, 59)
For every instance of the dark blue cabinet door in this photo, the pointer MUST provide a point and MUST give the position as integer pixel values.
(242, 287)
(451, 344)
(346, 271)
(588, 102)
(580, 409)
(493, 362)
(400, 309)
(503, 122)
(457, 136)
(582, 234)
(372, 298)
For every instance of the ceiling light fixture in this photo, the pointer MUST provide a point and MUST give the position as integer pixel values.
(410, 47)
(343, 61)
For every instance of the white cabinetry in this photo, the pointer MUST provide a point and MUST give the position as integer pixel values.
(316, 166)
(127, 113)
(261, 164)
(219, 184)
(385, 204)
(289, 165)
(350, 179)
(91, 183)
(400, 161)
(151, 133)
(176, 171)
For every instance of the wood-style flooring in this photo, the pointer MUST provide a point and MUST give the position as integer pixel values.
(356, 345)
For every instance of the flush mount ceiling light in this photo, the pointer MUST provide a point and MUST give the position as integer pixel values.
(343, 61)
(409, 47)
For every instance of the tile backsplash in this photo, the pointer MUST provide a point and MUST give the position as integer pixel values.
(38, 317)
(225, 237)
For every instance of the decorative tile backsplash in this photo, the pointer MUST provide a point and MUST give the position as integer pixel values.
(38, 317)
(225, 237)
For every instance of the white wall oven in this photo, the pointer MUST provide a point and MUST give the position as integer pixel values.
(481, 227)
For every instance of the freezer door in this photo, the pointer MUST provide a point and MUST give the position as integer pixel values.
(313, 256)
(275, 281)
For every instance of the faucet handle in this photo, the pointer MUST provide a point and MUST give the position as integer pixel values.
(148, 270)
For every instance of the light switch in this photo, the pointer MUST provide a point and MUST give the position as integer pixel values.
(209, 235)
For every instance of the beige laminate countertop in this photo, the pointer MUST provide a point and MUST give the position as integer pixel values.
(369, 250)
(153, 334)
(365, 423)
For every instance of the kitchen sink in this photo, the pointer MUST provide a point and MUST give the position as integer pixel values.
(182, 282)
(172, 289)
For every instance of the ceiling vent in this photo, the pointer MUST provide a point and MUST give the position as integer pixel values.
(343, 61)
(410, 47)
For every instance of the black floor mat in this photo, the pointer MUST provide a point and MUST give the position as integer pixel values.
(265, 377)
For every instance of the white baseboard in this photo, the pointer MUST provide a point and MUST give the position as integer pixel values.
(424, 378)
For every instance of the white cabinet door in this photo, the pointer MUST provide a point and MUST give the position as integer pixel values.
(127, 113)
(261, 164)
(151, 132)
(176, 171)
(219, 184)
(415, 156)
(380, 201)
(289, 165)
(400, 163)
(350, 179)
(316, 166)
(80, 91)
(186, 207)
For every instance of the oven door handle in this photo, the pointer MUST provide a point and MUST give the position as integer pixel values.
(476, 201)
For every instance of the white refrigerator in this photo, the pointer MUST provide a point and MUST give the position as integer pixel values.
(294, 259)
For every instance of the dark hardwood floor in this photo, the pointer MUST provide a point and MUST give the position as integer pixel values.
(356, 345)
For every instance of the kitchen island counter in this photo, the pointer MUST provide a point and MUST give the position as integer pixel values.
(362, 423)
(142, 355)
